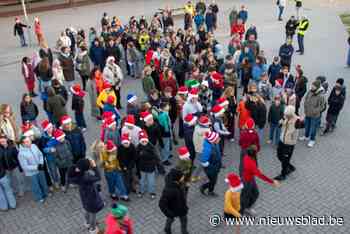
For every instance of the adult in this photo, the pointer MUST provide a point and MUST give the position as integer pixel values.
(288, 139)
(44, 74)
(302, 28)
(38, 30)
(348, 61)
(288, 79)
(55, 105)
(291, 26)
(201, 7)
(96, 53)
(298, 6)
(92, 89)
(286, 52)
(8, 123)
(112, 50)
(233, 16)
(314, 105)
(192, 105)
(274, 70)
(112, 74)
(300, 87)
(67, 64)
(83, 65)
(281, 5)
(243, 14)
(18, 30)
(29, 75)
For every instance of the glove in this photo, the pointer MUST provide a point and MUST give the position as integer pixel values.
(40, 167)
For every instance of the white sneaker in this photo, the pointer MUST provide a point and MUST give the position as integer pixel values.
(73, 186)
(86, 225)
(93, 231)
(42, 200)
(232, 139)
(268, 142)
(311, 144)
(57, 186)
(64, 189)
(51, 189)
(302, 138)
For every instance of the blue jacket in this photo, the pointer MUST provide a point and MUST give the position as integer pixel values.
(97, 56)
(77, 142)
(243, 15)
(211, 157)
(249, 55)
(47, 143)
(273, 72)
(29, 159)
(199, 20)
(209, 20)
(257, 71)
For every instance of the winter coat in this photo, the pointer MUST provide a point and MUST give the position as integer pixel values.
(8, 127)
(133, 134)
(154, 133)
(61, 90)
(29, 75)
(63, 154)
(8, 158)
(248, 137)
(148, 84)
(147, 158)
(286, 52)
(165, 123)
(77, 142)
(244, 114)
(115, 226)
(102, 97)
(289, 99)
(253, 46)
(112, 51)
(258, 112)
(83, 64)
(109, 161)
(56, 106)
(289, 130)
(173, 202)
(96, 54)
(230, 78)
(291, 26)
(67, 64)
(170, 82)
(88, 191)
(29, 159)
(198, 137)
(275, 113)
(18, 28)
(127, 156)
(113, 135)
(209, 20)
(314, 104)
(210, 157)
(251, 31)
(29, 111)
(273, 72)
(92, 91)
(113, 75)
(257, 71)
(43, 75)
(335, 103)
(238, 28)
(199, 20)
(243, 15)
(265, 89)
(300, 87)
(78, 104)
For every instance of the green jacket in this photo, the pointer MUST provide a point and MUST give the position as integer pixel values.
(148, 84)
(164, 121)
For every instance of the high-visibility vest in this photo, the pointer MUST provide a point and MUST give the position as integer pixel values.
(303, 26)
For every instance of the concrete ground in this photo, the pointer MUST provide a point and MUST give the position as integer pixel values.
(317, 188)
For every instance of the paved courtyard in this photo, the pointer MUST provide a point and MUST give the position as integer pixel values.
(318, 187)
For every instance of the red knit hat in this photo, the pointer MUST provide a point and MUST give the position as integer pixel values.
(222, 102)
(182, 90)
(106, 85)
(211, 136)
(125, 138)
(110, 146)
(130, 120)
(193, 93)
(204, 120)
(217, 110)
(58, 134)
(46, 125)
(183, 153)
(250, 123)
(145, 116)
(234, 181)
(190, 119)
(65, 120)
(143, 136)
(110, 99)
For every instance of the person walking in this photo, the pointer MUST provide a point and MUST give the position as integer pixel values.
(302, 28)
(18, 31)
(348, 60)
(291, 26)
(281, 5)
(38, 31)
(298, 6)
(29, 75)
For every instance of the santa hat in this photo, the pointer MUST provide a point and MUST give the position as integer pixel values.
(130, 120)
(183, 153)
(279, 82)
(193, 93)
(46, 125)
(106, 85)
(204, 120)
(222, 102)
(75, 89)
(110, 146)
(110, 122)
(217, 110)
(145, 116)
(211, 136)
(107, 115)
(131, 98)
(182, 90)
(143, 136)
(205, 83)
(216, 76)
(58, 134)
(65, 120)
(234, 181)
(27, 130)
(110, 99)
(125, 138)
(250, 123)
(190, 119)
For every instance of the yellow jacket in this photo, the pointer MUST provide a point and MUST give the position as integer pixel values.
(109, 161)
(189, 8)
(102, 98)
(303, 26)
(232, 203)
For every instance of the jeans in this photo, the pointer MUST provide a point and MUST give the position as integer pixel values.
(197, 167)
(128, 177)
(39, 186)
(150, 178)
(132, 67)
(169, 222)
(115, 180)
(301, 43)
(311, 126)
(22, 40)
(79, 118)
(275, 132)
(17, 181)
(260, 132)
(7, 197)
(63, 175)
(43, 85)
(281, 9)
(348, 62)
(91, 220)
(165, 152)
(53, 170)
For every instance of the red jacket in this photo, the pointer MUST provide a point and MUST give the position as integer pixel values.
(249, 137)
(238, 28)
(250, 170)
(170, 82)
(113, 226)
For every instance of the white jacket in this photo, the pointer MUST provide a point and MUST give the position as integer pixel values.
(133, 134)
(113, 74)
(198, 137)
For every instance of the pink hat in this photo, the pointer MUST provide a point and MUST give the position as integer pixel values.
(234, 181)
(183, 153)
(145, 116)
(46, 125)
(211, 136)
(190, 119)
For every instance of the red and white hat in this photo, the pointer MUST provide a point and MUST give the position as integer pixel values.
(143, 136)
(130, 120)
(76, 90)
(65, 120)
(125, 138)
(110, 99)
(58, 134)
(107, 115)
(211, 136)
(190, 119)
(279, 82)
(107, 85)
(182, 90)
(216, 76)
(234, 181)
(110, 146)
(193, 93)
(46, 125)
(110, 122)
(145, 116)
(222, 102)
(250, 123)
(217, 110)
(204, 120)
(183, 153)
(27, 130)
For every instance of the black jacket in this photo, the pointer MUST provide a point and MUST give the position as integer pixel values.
(147, 157)
(29, 111)
(173, 200)
(77, 104)
(127, 156)
(112, 51)
(8, 158)
(258, 113)
(300, 87)
(154, 134)
(18, 29)
(62, 91)
(77, 141)
(335, 103)
(291, 26)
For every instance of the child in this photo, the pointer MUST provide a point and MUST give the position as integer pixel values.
(29, 110)
(111, 166)
(217, 85)
(78, 106)
(264, 87)
(232, 204)
(165, 123)
(118, 221)
(110, 107)
(29, 76)
(336, 102)
(63, 156)
(275, 115)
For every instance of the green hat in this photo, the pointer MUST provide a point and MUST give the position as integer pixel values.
(119, 211)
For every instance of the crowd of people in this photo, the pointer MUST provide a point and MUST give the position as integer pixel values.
(193, 90)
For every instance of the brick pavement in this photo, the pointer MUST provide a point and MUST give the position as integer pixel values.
(318, 187)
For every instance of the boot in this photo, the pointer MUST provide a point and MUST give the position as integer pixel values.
(33, 94)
